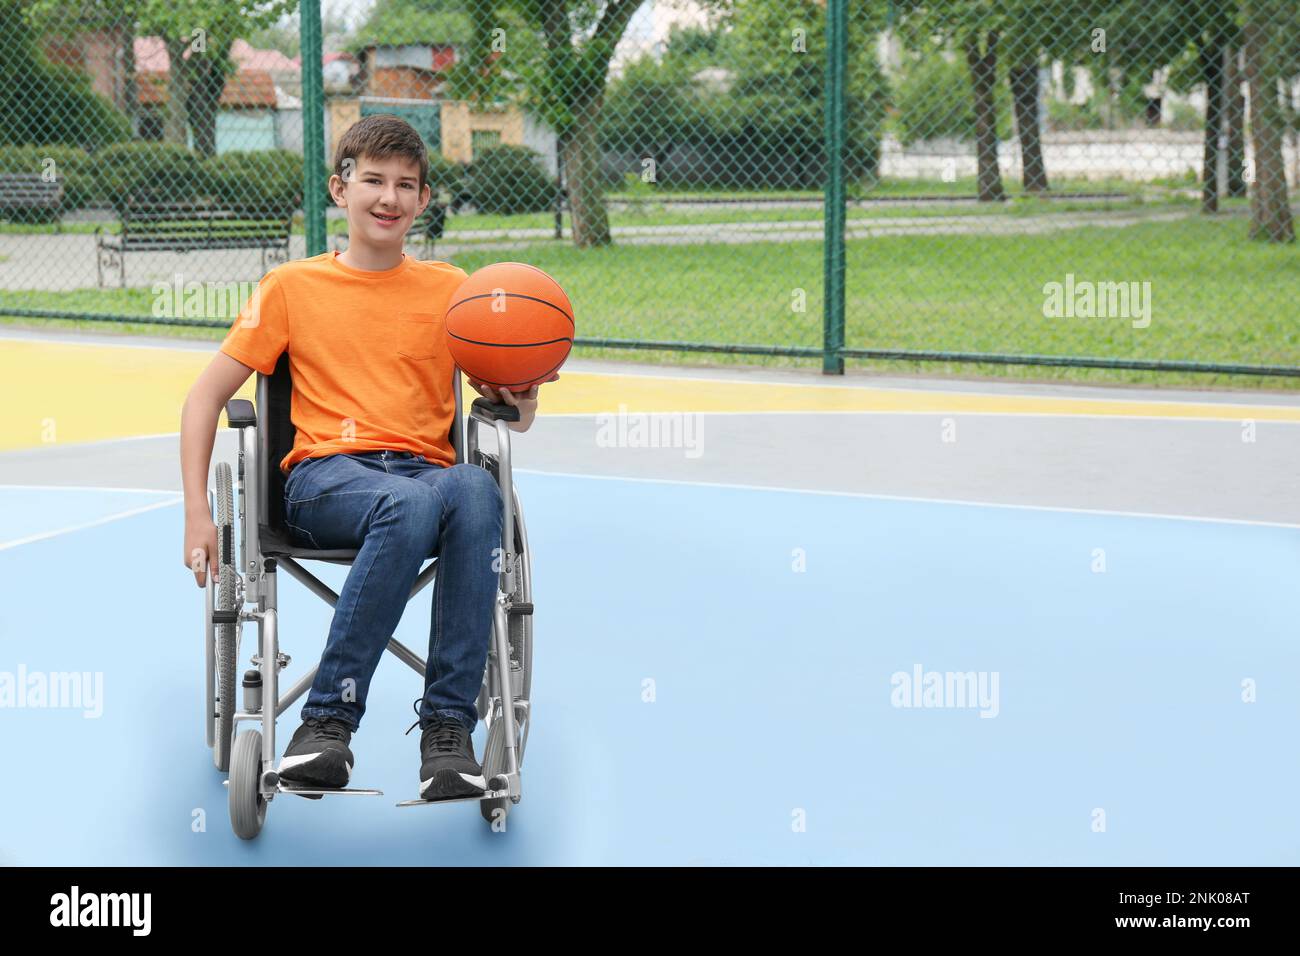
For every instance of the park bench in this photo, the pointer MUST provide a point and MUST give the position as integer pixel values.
(192, 227)
(21, 194)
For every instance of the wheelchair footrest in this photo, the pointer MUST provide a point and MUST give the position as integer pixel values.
(315, 793)
(488, 795)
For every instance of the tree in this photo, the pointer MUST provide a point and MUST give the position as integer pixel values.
(554, 56)
(981, 50)
(113, 16)
(1032, 30)
(1266, 26)
(43, 102)
(743, 102)
(982, 30)
(198, 35)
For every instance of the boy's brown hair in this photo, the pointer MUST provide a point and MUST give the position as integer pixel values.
(379, 137)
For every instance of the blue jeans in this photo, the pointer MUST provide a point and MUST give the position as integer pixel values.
(397, 509)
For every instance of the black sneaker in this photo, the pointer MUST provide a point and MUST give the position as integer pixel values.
(318, 754)
(448, 767)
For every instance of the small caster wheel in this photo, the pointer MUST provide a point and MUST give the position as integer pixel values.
(494, 758)
(247, 805)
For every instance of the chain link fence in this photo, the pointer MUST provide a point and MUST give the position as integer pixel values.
(1017, 186)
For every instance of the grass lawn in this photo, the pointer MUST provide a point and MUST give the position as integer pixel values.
(1214, 297)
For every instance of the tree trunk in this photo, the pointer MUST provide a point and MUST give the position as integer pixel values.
(1270, 209)
(983, 73)
(1024, 92)
(1235, 119)
(581, 153)
(177, 124)
(130, 104)
(1212, 73)
(205, 99)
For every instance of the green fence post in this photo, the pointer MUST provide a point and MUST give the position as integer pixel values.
(833, 267)
(313, 128)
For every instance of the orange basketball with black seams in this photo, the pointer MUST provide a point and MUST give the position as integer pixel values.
(509, 325)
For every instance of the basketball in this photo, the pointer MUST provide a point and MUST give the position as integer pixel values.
(509, 325)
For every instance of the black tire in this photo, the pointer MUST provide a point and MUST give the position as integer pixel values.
(494, 762)
(227, 634)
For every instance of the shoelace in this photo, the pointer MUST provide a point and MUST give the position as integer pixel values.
(328, 727)
(445, 734)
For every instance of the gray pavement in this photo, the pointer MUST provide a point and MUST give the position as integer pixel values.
(1171, 467)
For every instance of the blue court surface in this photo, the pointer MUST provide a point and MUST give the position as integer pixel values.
(719, 673)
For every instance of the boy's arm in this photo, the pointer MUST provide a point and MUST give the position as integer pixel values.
(199, 417)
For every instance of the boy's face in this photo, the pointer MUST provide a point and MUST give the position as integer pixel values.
(382, 197)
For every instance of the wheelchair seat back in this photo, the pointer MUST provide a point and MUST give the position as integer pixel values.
(276, 434)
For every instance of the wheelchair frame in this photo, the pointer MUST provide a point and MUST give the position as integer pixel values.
(253, 781)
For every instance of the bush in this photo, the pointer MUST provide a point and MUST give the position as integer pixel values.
(445, 174)
(72, 113)
(70, 166)
(508, 180)
(1063, 116)
(257, 178)
(43, 102)
(1186, 118)
(150, 172)
(935, 101)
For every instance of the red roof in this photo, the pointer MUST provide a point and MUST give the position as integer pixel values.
(151, 57)
(248, 88)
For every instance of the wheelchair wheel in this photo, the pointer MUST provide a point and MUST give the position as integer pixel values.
(521, 625)
(521, 652)
(494, 762)
(247, 806)
(226, 634)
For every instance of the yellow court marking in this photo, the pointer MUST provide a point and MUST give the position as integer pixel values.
(59, 393)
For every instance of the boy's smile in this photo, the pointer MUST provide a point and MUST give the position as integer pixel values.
(382, 199)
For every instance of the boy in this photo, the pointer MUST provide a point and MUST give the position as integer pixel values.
(371, 467)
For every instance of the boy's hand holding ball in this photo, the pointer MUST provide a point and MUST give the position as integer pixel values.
(526, 402)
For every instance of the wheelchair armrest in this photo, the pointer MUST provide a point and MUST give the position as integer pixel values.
(491, 411)
(240, 413)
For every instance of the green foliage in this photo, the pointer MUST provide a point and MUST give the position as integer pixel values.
(742, 105)
(402, 22)
(934, 101)
(256, 178)
(1063, 116)
(43, 102)
(444, 173)
(72, 167)
(150, 172)
(508, 180)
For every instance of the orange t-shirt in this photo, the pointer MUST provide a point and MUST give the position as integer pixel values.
(367, 353)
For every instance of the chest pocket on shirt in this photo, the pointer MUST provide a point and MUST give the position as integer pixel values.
(419, 335)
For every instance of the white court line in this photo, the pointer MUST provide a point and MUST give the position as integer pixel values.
(915, 500)
(704, 484)
(740, 381)
(50, 446)
(5, 545)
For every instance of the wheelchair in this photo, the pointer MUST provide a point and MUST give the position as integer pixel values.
(247, 594)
